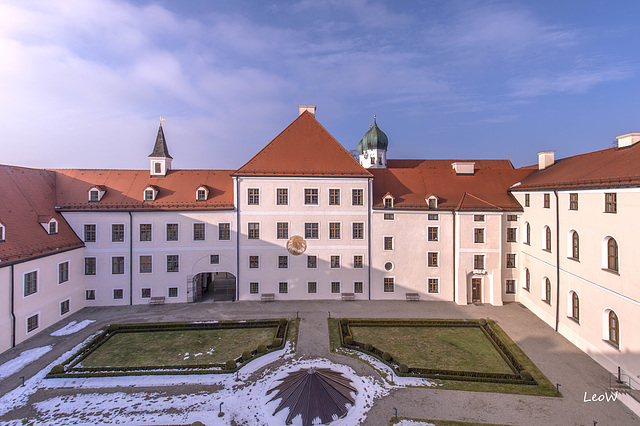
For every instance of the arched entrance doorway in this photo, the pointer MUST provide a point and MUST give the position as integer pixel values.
(214, 287)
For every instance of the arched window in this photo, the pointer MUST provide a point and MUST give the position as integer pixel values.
(612, 254)
(527, 279)
(614, 329)
(547, 237)
(547, 290)
(575, 245)
(528, 233)
(575, 306)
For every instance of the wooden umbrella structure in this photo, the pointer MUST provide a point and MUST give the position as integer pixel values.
(314, 393)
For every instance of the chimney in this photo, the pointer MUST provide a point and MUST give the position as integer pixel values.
(628, 139)
(310, 108)
(545, 159)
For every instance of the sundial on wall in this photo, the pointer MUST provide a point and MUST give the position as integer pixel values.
(296, 245)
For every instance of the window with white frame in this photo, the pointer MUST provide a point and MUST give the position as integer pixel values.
(478, 261)
(511, 260)
(478, 235)
(118, 293)
(53, 227)
(283, 262)
(89, 265)
(172, 232)
(478, 218)
(117, 233)
(512, 235)
(388, 243)
(334, 197)
(282, 230)
(312, 287)
(335, 261)
(357, 198)
(510, 286)
(282, 196)
(214, 259)
(199, 232)
(432, 259)
(358, 230)
(312, 261)
(610, 203)
(224, 231)
(311, 196)
(145, 232)
(389, 284)
(253, 196)
(335, 287)
(389, 216)
(117, 265)
(433, 285)
(311, 231)
(64, 307)
(63, 272)
(30, 283)
(145, 293)
(283, 287)
(32, 323)
(358, 287)
(334, 230)
(173, 263)
(254, 262)
(253, 230)
(90, 233)
(90, 295)
(146, 264)
(358, 261)
(172, 292)
(432, 233)
(254, 287)
(201, 194)
(574, 312)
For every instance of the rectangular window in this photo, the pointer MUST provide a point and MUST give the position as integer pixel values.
(610, 203)
(90, 295)
(358, 261)
(389, 285)
(335, 261)
(311, 230)
(358, 231)
(478, 218)
(312, 287)
(64, 307)
(32, 323)
(145, 293)
(334, 230)
(511, 235)
(547, 201)
(283, 287)
(253, 196)
(356, 197)
(254, 262)
(389, 216)
(30, 283)
(358, 287)
(254, 288)
(388, 243)
(432, 233)
(283, 262)
(335, 287)
(53, 227)
(224, 231)
(117, 265)
(89, 265)
(311, 196)
(172, 232)
(432, 260)
(282, 231)
(215, 259)
(201, 195)
(312, 262)
(511, 287)
(145, 265)
(198, 232)
(527, 200)
(432, 216)
(433, 285)
(145, 232)
(117, 232)
(478, 235)
(573, 201)
(148, 195)
(173, 291)
(2, 234)
(334, 197)
(511, 260)
(254, 231)
(512, 218)
(282, 196)
(118, 293)
(90, 233)
(173, 262)
(388, 203)
(63, 272)
(478, 261)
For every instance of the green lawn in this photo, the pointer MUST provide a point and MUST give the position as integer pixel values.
(177, 347)
(446, 348)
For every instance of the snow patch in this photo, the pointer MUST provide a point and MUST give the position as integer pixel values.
(413, 423)
(72, 327)
(22, 360)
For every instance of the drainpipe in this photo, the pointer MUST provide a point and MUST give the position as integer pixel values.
(237, 201)
(453, 218)
(370, 203)
(555, 192)
(130, 258)
(13, 315)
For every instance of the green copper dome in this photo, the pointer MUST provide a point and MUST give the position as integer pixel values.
(373, 139)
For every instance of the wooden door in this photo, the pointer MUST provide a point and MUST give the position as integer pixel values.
(476, 290)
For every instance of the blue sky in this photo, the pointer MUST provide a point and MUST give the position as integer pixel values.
(83, 83)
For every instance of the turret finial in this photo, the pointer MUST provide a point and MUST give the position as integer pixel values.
(162, 120)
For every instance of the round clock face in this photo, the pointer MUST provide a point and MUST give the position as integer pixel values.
(296, 245)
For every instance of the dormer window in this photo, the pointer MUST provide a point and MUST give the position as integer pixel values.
(96, 193)
(53, 227)
(202, 193)
(1, 233)
(432, 202)
(388, 201)
(150, 193)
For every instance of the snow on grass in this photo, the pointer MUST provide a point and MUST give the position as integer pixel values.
(25, 358)
(72, 327)
(413, 423)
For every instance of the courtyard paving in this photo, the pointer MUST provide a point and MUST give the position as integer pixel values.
(558, 359)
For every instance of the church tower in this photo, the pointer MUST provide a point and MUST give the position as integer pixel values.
(373, 148)
(160, 158)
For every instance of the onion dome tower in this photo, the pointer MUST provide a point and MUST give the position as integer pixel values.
(373, 148)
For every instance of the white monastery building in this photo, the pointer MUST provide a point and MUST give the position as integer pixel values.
(304, 220)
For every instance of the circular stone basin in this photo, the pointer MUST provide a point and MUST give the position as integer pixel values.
(314, 393)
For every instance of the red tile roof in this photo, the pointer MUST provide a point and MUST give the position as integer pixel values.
(411, 181)
(125, 189)
(304, 148)
(28, 197)
(605, 168)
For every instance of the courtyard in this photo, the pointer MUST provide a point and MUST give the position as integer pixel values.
(163, 399)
